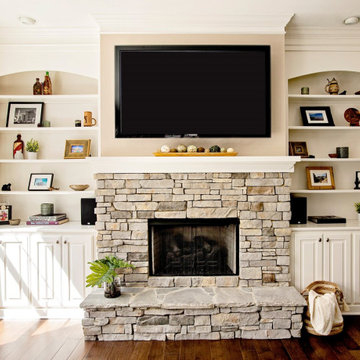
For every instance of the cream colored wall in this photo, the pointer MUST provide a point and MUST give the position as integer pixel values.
(276, 145)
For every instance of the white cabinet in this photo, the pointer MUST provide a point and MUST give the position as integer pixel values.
(45, 270)
(324, 256)
(14, 271)
(76, 253)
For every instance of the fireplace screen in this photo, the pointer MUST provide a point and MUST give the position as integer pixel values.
(188, 247)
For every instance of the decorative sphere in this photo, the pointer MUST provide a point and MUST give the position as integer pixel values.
(192, 148)
(200, 149)
(215, 148)
(165, 149)
(181, 148)
(230, 150)
(173, 150)
(222, 149)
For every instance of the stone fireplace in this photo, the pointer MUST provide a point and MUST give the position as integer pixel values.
(211, 250)
(127, 204)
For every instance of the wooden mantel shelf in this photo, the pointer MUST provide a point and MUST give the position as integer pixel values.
(152, 164)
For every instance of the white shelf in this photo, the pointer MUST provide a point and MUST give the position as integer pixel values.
(336, 191)
(52, 98)
(43, 161)
(72, 226)
(323, 97)
(310, 226)
(324, 128)
(330, 160)
(47, 193)
(49, 129)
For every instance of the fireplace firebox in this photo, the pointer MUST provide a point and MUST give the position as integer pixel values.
(193, 247)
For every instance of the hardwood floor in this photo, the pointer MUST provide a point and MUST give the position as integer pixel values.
(62, 339)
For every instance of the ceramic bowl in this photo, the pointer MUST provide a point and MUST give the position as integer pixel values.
(333, 155)
(79, 187)
(14, 221)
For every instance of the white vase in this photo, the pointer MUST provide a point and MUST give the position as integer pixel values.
(32, 155)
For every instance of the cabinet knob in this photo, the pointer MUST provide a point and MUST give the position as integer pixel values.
(57, 241)
(320, 240)
(327, 240)
(65, 242)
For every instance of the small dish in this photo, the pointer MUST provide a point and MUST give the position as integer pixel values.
(333, 155)
(79, 187)
(14, 221)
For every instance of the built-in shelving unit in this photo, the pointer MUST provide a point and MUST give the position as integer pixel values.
(323, 140)
(73, 94)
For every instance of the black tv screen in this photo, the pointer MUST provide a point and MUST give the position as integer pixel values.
(203, 91)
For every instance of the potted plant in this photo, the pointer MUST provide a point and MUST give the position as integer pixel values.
(104, 272)
(32, 148)
(357, 207)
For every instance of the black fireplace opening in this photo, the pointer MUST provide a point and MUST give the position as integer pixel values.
(193, 247)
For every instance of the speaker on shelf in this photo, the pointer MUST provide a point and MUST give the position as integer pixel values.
(298, 210)
(88, 216)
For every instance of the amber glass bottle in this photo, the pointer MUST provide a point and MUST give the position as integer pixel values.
(47, 87)
(37, 88)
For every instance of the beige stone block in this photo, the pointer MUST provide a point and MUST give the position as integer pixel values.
(211, 212)
(264, 182)
(170, 214)
(156, 184)
(260, 190)
(207, 203)
(251, 273)
(114, 184)
(227, 281)
(139, 197)
(172, 206)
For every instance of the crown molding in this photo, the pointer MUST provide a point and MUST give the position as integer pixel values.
(48, 36)
(322, 39)
(192, 24)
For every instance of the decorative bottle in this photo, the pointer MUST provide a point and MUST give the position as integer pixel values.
(18, 148)
(37, 88)
(47, 87)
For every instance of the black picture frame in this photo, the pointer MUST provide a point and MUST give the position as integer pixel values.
(316, 116)
(17, 106)
(37, 185)
(5, 214)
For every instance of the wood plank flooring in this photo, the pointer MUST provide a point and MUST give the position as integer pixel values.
(62, 340)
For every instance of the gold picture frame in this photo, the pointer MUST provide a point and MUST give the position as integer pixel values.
(77, 149)
(320, 178)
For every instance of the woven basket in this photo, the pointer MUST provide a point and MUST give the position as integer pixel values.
(323, 287)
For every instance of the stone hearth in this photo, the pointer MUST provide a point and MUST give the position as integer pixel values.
(194, 313)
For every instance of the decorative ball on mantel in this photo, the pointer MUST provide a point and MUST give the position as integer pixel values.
(223, 150)
(215, 148)
(191, 149)
(173, 150)
(181, 148)
(200, 149)
(165, 149)
(230, 150)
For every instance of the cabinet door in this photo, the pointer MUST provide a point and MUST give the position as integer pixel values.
(308, 258)
(337, 260)
(46, 270)
(14, 270)
(355, 251)
(77, 252)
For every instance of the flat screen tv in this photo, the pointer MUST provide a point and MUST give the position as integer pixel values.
(192, 91)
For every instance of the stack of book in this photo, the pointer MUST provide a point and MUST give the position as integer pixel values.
(55, 219)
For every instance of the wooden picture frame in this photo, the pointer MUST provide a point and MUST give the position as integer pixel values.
(320, 178)
(5, 214)
(298, 148)
(24, 114)
(77, 149)
(40, 181)
(316, 116)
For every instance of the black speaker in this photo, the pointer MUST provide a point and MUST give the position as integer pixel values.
(298, 210)
(88, 216)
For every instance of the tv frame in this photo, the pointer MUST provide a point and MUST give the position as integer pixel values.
(118, 98)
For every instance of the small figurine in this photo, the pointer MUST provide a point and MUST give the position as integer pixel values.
(18, 148)
(6, 187)
(332, 87)
(357, 180)
(343, 93)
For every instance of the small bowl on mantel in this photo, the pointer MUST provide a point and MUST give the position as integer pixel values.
(79, 187)
(333, 156)
(14, 221)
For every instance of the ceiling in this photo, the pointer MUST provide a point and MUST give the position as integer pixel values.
(79, 13)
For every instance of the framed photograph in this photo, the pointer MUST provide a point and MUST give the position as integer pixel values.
(5, 214)
(320, 178)
(77, 149)
(298, 148)
(40, 182)
(316, 116)
(24, 114)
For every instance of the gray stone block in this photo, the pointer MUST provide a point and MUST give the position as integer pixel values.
(281, 323)
(181, 320)
(153, 320)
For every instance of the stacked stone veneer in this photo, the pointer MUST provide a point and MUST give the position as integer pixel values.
(261, 201)
(194, 313)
